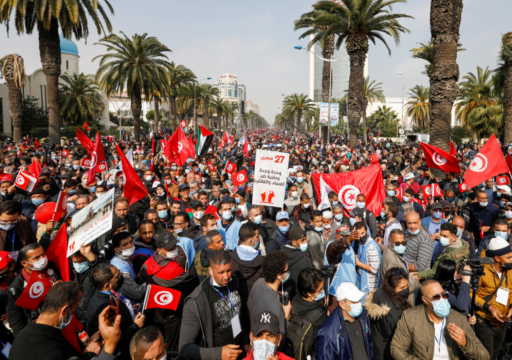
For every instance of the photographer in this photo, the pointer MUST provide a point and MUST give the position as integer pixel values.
(493, 297)
(457, 286)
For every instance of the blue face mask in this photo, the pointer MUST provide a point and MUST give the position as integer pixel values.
(303, 247)
(400, 249)
(64, 324)
(287, 277)
(174, 167)
(93, 188)
(284, 229)
(192, 193)
(196, 170)
(406, 199)
(391, 193)
(383, 214)
(338, 217)
(499, 194)
(441, 307)
(258, 219)
(232, 208)
(437, 214)
(226, 215)
(444, 241)
(319, 296)
(459, 232)
(361, 205)
(72, 192)
(501, 234)
(81, 267)
(318, 229)
(292, 178)
(238, 201)
(355, 310)
(37, 202)
(163, 214)
(300, 180)
(352, 222)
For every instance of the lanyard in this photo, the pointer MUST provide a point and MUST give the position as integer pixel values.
(229, 292)
(12, 239)
(440, 336)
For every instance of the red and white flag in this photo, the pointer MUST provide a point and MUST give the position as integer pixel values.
(463, 187)
(230, 168)
(160, 297)
(98, 162)
(183, 124)
(348, 185)
(26, 182)
(239, 178)
(439, 159)
(57, 248)
(487, 163)
(85, 163)
(64, 153)
(211, 167)
(427, 191)
(503, 180)
(247, 148)
(436, 190)
(62, 204)
(225, 137)
(453, 150)
(179, 148)
(399, 193)
(35, 291)
(35, 168)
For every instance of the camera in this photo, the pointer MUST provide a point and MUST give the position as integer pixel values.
(285, 298)
(328, 271)
(477, 268)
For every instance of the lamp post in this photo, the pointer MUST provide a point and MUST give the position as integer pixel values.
(195, 107)
(331, 60)
(403, 97)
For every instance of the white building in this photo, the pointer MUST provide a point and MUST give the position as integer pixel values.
(35, 84)
(230, 88)
(250, 106)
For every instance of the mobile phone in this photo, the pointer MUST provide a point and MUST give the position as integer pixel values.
(114, 301)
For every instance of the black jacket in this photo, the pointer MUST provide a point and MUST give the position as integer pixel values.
(276, 241)
(297, 261)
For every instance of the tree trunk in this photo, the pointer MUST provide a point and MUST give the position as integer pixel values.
(15, 98)
(364, 121)
(327, 52)
(136, 105)
(206, 115)
(507, 100)
(173, 112)
(357, 48)
(474, 137)
(49, 52)
(445, 18)
(157, 113)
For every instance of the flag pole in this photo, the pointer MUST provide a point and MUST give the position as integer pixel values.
(55, 211)
(148, 290)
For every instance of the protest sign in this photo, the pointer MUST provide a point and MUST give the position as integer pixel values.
(270, 172)
(324, 114)
(335, 110)
(91, 222)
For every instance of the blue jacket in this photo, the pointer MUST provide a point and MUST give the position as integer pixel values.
(487, 217)
(332, 341)
(426, 222)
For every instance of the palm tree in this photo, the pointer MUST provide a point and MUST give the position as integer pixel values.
(234, 111)
(79, 99)
(13, 70)
(311, 114)
(185, 101)
(506, 69)
(228, 111)
(179, 76)
(419, 109)
(426, 52)
(71, 16)
(372, 92)
(382, 115)
(219, 104)
(137, 65)
(295, 105)
(207, 94)
(356, 23)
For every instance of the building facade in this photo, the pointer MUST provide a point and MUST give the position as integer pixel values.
(250, 106)
(230, 88)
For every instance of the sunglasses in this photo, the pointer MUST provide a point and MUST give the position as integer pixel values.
(437, 297)
(400, 243)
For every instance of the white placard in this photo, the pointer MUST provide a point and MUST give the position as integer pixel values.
(270, 173)
(324, 114)
(335, 110)
(91, 222)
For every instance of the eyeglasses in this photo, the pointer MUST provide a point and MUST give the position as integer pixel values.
(437, 297)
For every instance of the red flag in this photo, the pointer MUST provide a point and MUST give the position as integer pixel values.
(152, 166)
(232, 138)
(162, 298)
(439, 159)
(134, 189)
(239, 178)
(487, 163)
(247, 148)
(230, 167)
(98, 163)
(509, 161)
(453, 151)
(194, 143)
(463, 187)
(69, 333)
(225, 137)
(348, 185)
(37, 143)
(183, 124)
(64, 153)
(427, 191)
(85, 163)
(85, 141)
(57, 250)
(179, 148)
(35, 291)
(86, 126)
(436, 190)
(26, 182)
(35, 168)
(211, 167)
(212, 210)
(62, 204)
(503, 180)
(399, 193)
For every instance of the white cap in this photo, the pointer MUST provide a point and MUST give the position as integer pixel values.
(498, 246)
(504, 187)
(409, 176)
(349, 291)
(327, 215)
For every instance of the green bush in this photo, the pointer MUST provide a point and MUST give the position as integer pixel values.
(39, 132)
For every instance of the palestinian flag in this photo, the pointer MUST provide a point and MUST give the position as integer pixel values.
(204, 139)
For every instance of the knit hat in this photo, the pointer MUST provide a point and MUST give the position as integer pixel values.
(498, 246)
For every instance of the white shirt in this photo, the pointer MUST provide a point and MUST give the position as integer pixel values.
(440, 350)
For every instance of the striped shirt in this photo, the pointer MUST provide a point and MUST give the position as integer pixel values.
(419, 249)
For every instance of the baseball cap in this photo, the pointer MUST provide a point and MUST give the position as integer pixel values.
(5, 259)
(305, 217)
(349, 291)
(409, 176)
(184, 187)
(195, 204)
(445, 204)
(297, 233)
(265, 321)
(436, 206)
(281, 215)
(343, 230)
(118, 223)
(166, 241)
(5, 178)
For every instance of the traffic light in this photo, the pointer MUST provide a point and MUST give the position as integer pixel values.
(243, 107)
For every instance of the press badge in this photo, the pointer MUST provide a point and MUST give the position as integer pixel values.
(502, 296)
(236, 326)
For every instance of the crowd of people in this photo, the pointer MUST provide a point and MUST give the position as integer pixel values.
(426, 278)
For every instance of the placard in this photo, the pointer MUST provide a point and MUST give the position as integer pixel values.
(91, 222)
(324, 114)
(270, 173)
(335, 111)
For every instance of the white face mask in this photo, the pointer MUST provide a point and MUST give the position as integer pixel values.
(199, 215)
(172, 254)
(148, 177)
(40, 264)
(127, 253)
(328, 226)
(262, 349)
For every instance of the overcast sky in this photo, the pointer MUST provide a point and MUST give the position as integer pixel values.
(255, 40)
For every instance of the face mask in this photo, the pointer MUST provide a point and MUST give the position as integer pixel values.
(148, 177)
(501, 234)
(499, 194)
(68, 165)
(284, 229)
(76, 167)
(400, 249)
(126, 254)
(238, 200)
(232, 208)
(508, 214)
(258, 219)
(391, 193)
(64, 324)
(383, 214)
(81, 267)
(192, 193)
(356, 310)
(286, 278)
(361, 205)
(303, 247)
(261, 349)
(406, 199)
(198, 215)
(415, 232)
(178, 231)
(174, 167)
(459, 232)
(172, 254)
(226, 215)
(40, 264)
(168, 182)
(437, 214)
(319, 296)
(444, 241)
(72, 192)
(483, 204)
(352, 222)
(339, 217)
(292, 178)
(404, 293)
(300, 180)
(327, 227)
(37, 202)
(54, 158)
(318, 228)
(441, 307)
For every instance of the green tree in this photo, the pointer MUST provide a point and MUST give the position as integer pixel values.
(506, 70)
(385, 120)
(220, 107)
(419, 108)
(179, 75)
(150, 115)
(372, 92)
(34, 116)
(296, 105)
(12, 70)
(207, 94)
(137, 65)
(355, 23)
(79, 99)
(426, 52)
(71, 16)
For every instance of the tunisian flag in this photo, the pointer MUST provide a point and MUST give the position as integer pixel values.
(98, 163)
(85, 141)
(239, 178)
(57, 248)
(439, 159)
(133, 189)
(162, 298)
(453, 151)
(230, 168)
(35, 291)
(509, 161)
(487, 163)
(35, 168)
(179, 148)
(348, 185)
(26, 182)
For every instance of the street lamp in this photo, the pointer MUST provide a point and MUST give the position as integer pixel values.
(195, 90)
(403, 97)
(331, 60)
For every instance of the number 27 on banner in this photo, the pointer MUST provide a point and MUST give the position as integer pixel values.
(270, 173)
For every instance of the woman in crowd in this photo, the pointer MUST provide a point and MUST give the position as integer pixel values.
(457, 286)
(385, 306)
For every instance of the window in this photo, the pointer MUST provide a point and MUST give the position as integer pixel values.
(229, 92)
(67, 65)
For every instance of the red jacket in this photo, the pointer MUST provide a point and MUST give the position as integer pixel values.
(280, 356)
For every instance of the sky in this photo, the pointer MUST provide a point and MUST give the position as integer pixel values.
(255, 40)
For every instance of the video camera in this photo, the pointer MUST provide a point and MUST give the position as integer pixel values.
(328, 271)
(477, 268)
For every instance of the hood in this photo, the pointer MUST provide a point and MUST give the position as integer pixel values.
(461, 251)
(158, 264)
(294, 255)
(141, 244)
(302, 307)
(375, 311)
(205, 256)
(247, 268)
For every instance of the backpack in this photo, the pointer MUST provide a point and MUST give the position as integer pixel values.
(301, 335)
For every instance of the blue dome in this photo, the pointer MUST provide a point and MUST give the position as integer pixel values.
(68, 46)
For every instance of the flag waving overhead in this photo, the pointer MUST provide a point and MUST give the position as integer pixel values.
(487, 163)
(58, 247)
(439, 159)
(26, 182)
(85, 141)
(35, 168)
(348, 185)
(134, 189)
(179, 148)
(204, 140)
(98, 163)
(453, 150)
